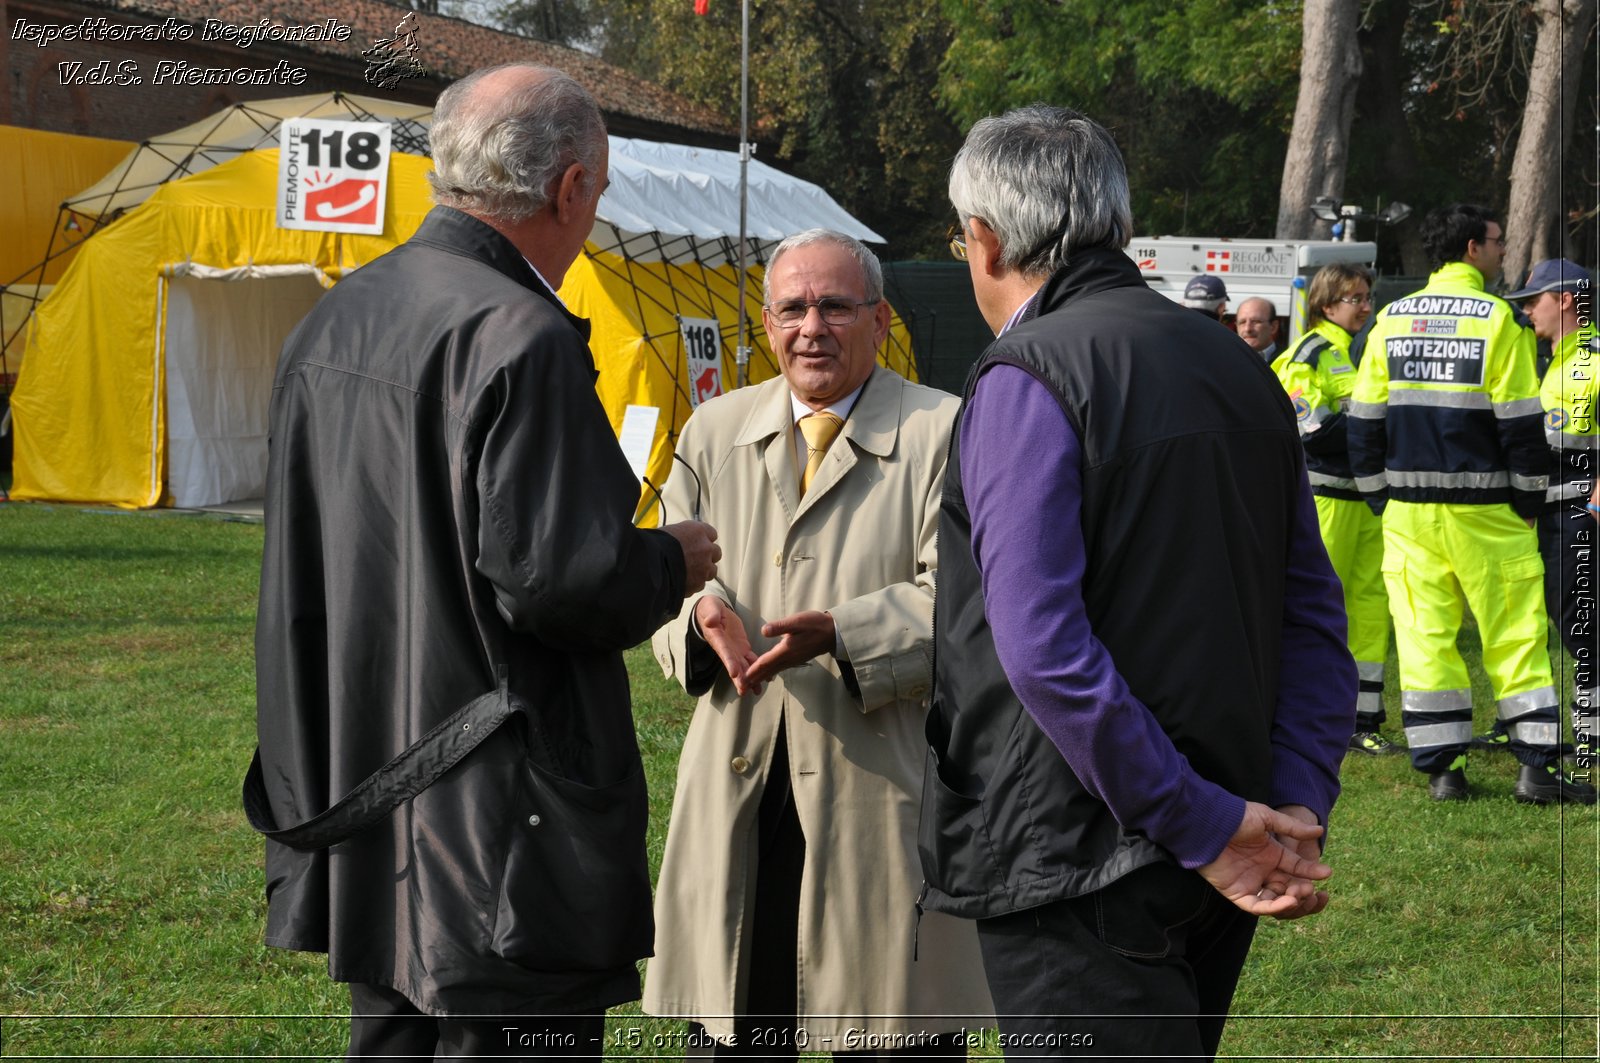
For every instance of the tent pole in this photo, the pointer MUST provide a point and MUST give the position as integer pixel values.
(742, 349)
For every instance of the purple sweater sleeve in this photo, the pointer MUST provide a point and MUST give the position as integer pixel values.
(1025, 498)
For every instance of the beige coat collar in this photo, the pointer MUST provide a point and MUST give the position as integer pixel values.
(873, 426)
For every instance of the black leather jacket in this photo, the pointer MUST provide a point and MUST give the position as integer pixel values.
(446, 502)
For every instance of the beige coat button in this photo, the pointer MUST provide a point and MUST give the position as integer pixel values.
(739, 765)
(777, 559)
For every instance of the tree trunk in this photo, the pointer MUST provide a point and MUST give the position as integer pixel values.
(1380, 105)
(1330, 71)
(1535, 227)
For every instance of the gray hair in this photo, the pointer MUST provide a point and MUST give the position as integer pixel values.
(1049, 181)
(499, 151)
(871, 271)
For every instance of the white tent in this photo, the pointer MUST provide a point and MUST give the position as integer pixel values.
(673, 203)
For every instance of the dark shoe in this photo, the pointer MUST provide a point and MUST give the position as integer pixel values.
(1493, 739)
(1373, 744)
(1448, 785)
(1551, 786)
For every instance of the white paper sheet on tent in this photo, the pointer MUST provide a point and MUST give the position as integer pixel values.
(682, 204)
(226, 134)
(224, 329)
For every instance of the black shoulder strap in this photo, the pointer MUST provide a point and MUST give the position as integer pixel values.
(403, 778)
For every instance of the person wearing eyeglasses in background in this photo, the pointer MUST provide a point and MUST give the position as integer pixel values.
(1559, 300)
(1445, 443)
(785, 908)
(1319, 376)
(1257, 324)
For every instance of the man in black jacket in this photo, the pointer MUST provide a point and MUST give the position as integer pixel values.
(1141, 686)
(450, 575)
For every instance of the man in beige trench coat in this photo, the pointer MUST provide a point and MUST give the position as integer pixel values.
(785, 911)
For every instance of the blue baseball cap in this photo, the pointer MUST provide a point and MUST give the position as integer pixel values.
(1553, 275)
(1205, 292)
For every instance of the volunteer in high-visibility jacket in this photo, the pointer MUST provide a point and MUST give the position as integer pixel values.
(1558, 299)
(1319, 376)
(1444, 427)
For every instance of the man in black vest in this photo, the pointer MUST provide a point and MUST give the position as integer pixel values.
(1142, 691)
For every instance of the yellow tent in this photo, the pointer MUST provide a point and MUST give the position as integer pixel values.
(149, 368)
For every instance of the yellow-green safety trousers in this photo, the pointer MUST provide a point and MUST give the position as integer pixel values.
(1353, 536)
(1436, 557)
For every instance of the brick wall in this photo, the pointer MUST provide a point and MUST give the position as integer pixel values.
(39, 93)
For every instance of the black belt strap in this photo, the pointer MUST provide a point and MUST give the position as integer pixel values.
(403, 778)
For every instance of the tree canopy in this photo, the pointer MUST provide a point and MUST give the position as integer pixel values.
(870, 98)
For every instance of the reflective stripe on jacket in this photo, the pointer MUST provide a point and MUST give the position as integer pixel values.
(1446, 404)
(1568, 394)
(1319, 376)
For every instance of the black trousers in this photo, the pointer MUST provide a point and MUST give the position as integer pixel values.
(385, 1025)
(767, 1029)
(1567, 545)
(1144, 968)
(1567, 542)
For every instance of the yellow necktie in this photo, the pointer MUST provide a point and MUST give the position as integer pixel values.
(820, 430)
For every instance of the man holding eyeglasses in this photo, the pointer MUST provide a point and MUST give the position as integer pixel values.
(449, 778)
(785, 907)
(1445, 443)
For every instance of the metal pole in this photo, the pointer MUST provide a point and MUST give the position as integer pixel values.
(741, 354)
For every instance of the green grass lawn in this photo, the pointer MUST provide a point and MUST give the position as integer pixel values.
(131, 903)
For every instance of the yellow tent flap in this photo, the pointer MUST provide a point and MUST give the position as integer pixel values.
(39, 170)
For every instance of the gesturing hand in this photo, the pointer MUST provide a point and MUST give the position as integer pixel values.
(801, 637)
(724, 632)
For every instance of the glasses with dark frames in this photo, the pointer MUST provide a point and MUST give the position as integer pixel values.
(661, 503)
(835, 311)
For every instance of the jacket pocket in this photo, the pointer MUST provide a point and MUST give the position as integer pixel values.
(953, 839)
(575, 895)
